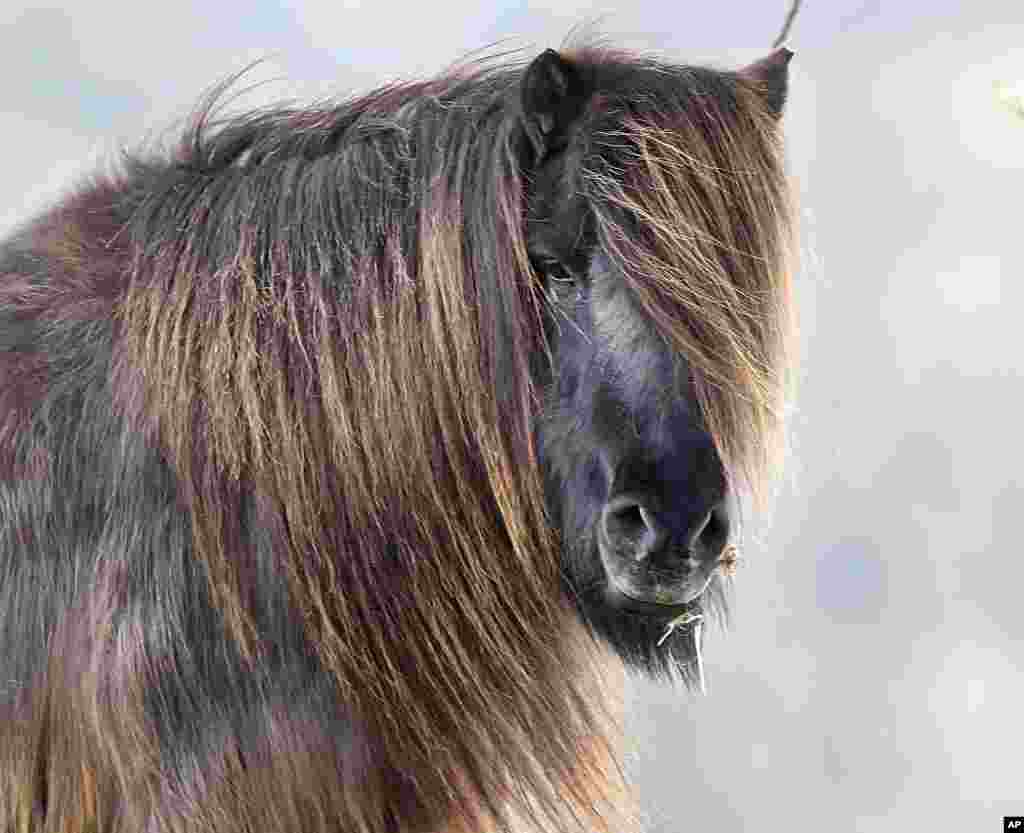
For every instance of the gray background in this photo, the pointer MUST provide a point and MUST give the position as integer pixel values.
(872, 678)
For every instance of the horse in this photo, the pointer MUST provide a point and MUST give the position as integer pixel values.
(350, 454)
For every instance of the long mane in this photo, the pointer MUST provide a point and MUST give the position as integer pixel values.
(365, 274)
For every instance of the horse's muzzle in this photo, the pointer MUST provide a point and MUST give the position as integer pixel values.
(657, 560)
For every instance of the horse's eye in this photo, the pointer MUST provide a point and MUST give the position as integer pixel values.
(560, 279)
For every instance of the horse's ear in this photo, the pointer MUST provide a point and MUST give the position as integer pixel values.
(552, 97)
(771, 76)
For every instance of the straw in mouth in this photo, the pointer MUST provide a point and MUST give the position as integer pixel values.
(695, 621)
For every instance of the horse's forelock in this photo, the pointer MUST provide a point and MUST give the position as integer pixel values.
(691, 203)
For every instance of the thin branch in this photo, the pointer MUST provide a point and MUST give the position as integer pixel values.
(790, 17)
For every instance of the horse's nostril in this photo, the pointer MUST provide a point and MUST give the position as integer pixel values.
(711, 534)
(634, 532)
(632, 529)
(629, 518)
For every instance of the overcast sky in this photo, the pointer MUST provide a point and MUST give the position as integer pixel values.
(873, 677)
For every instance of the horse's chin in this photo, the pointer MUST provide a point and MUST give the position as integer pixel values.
(661, 602)
(689, 601)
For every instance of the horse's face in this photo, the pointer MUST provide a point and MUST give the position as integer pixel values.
(634, 483)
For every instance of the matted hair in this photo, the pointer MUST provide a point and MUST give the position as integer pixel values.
(286, 374)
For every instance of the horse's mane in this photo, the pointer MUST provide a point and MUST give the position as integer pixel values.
(364, 272)
(327, 324)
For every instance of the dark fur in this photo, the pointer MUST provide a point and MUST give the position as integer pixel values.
(306, 429)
